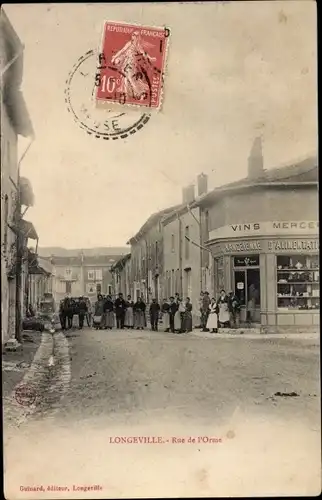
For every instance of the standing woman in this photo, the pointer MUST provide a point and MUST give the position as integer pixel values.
(109, 313)
(139, 314)
(129, 317)
(98, 312)
(224, 316)
(212, 322)
(179, 316)
(165, 309)
(187, 326)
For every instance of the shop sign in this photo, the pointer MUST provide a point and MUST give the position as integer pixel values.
(242, 246)
(293, 245)
(266, 228)
(246, 261)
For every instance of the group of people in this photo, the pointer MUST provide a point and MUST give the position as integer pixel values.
(176, 313)
(224, 312)
(71, 306)
(128, 314)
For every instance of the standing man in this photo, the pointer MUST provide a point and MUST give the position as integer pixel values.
(82, 312)
(205, 310)
(120, 308)
(173, 307)
(154, 315)
(234, 310)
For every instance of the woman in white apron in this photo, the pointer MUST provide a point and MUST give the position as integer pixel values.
(165, 315)
(212, 322)
(224, 316)
(178, 318)
(129, 316)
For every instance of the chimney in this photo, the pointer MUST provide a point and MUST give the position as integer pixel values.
(255, 159)
(202, 182)
(188, 194)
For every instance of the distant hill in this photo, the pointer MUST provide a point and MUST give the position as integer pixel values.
(89, 252)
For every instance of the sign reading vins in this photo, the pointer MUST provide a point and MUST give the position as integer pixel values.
(246, 261)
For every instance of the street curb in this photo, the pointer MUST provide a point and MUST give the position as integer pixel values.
(36, 378)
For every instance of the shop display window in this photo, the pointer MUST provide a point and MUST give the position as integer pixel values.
(298, 282)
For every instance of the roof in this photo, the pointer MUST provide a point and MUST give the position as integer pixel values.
(151, 221)
(112, 252)
(304, 172)
(12, 74)
(77, 260)
(121, 262)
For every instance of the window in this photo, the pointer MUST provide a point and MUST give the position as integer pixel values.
(187, 242)
(298, 282)
(99, 274)
(68, 287)
(172, 243)
(68, 272)
(110, 289)
(90, 275)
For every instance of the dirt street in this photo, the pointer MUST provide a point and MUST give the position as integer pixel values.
(154, 414)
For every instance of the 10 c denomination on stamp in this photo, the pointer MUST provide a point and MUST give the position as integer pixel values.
(132, 63)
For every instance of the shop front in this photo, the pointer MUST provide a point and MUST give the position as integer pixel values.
(277, 272)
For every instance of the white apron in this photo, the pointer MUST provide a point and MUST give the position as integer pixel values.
(212, 322)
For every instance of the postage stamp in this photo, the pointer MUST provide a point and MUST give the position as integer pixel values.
(80, 101)
(132, 65)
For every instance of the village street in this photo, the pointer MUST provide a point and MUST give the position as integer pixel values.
(105, 385)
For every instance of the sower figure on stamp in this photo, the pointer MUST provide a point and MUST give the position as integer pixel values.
(120, 308)
(131, 61)
(154, 314)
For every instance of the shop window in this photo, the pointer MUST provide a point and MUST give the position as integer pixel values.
(247, 279)
(298, 282)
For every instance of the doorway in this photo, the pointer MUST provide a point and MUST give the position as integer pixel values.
(247, 288)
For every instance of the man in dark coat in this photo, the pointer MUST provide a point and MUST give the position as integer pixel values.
(71, 306)
(205, 311)
(154, 315)
(173, 307)
(82, 310)
(120, 308)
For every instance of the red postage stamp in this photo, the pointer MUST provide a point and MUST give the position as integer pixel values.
(131, 65)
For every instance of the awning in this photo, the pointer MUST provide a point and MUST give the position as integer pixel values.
(27, 197)
(38, 270)
(28, 230)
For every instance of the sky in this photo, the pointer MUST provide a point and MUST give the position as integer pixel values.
(234, 70)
